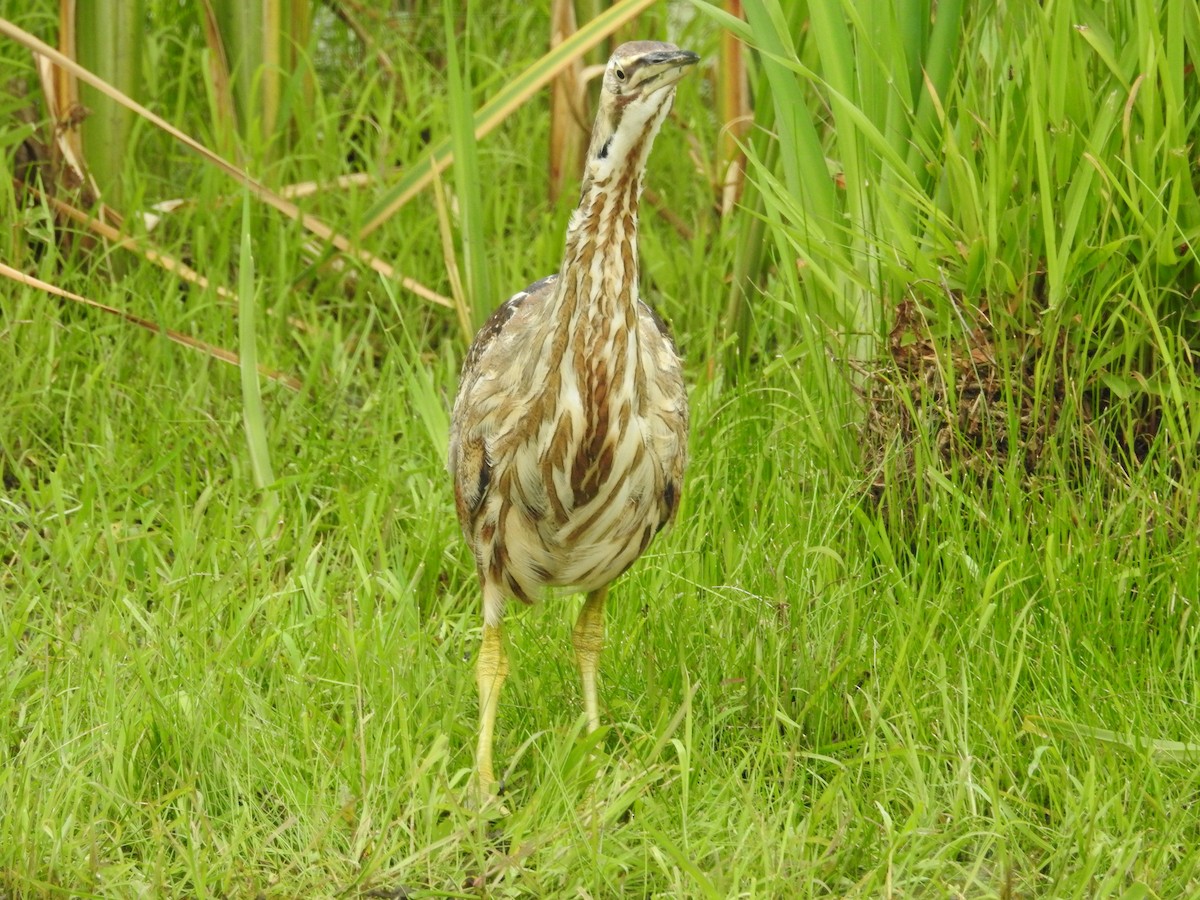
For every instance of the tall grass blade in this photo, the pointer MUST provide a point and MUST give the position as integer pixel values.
(1181, 752)
(450, 257)
(466, 172)
(253, 418)
(108, 41)
(219, 86)
(803, 158)
(733, 101)
(246, 32)
(568, 119)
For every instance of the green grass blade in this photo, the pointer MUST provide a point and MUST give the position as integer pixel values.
(253, 418)
(479, 296)
(803, 160)
(1181, 752)
(938, 65)
(108, 38)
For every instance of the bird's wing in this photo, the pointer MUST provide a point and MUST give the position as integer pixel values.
(492, 328)
(669, 429)
(468, 463)
(646, 311)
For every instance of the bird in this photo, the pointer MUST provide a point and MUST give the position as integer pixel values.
(568, 435)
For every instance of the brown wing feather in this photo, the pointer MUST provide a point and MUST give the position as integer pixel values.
(469, 466)
(670, 379)
(659, 322)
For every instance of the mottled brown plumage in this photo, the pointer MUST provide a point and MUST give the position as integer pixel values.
(568, 439)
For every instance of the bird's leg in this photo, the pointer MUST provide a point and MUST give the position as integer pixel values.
(490, 672)
(588, 638)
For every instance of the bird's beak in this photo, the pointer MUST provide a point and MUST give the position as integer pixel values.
(668, 66)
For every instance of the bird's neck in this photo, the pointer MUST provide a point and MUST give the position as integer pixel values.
(597, 289)
(594, 376)
(598, 283)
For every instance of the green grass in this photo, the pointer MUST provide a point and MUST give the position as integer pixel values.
(213, 687)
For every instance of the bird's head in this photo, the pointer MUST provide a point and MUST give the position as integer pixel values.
(638, 89)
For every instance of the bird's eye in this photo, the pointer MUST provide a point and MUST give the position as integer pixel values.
(620, 73)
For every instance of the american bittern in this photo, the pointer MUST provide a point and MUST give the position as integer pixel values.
(568, 439)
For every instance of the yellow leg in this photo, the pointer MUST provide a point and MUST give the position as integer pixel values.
(588, 638)
(490, 672)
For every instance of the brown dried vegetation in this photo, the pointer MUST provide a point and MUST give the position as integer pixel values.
(972, 403)
(977, 404)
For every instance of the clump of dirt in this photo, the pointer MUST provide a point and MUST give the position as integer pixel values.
(979, 408)
(973, 405)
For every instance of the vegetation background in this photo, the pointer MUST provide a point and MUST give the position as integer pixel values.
(927, 623)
